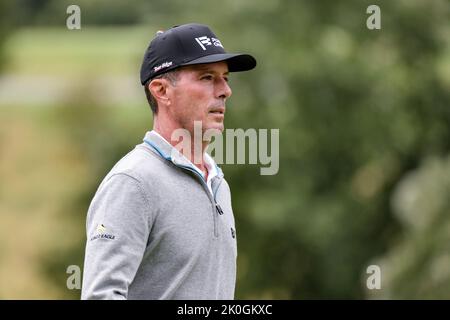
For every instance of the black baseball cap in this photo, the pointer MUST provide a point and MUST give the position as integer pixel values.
(186, 45)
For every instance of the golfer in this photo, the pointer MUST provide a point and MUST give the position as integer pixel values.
(161, 225)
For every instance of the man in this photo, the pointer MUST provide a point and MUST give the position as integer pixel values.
(161, 225)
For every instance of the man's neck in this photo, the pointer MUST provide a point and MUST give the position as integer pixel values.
(197, 161)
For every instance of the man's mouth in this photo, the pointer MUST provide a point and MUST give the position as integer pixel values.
(217, 110)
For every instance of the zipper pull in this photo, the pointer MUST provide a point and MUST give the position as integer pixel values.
(219, 209)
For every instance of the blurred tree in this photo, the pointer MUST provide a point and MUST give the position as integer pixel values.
(417, 266)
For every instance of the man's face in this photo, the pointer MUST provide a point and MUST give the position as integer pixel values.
(199, 95)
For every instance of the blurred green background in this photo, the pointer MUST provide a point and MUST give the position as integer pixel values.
(364, 119)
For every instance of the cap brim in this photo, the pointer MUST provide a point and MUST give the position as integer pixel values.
(236, 61)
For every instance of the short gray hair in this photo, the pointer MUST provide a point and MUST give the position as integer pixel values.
(172, 76)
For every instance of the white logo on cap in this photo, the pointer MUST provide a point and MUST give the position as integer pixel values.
(206, 41)
(161, 66)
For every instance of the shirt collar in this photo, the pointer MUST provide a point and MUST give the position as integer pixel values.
(168, 152)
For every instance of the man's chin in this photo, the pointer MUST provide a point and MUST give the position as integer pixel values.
(216, 126)
(213, 125)
(205, 125)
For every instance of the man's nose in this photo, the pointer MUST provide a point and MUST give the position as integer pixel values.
(223, 89)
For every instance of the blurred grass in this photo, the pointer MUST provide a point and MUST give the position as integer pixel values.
(44, 168)
(39, 171)
(91, 50)
(45, 65)
(47, 161)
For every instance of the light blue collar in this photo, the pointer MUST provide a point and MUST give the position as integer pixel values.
(168, 152)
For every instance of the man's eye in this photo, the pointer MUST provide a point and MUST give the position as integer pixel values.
(207, 77)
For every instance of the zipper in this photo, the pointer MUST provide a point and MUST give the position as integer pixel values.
(217, 209)
(215, 191)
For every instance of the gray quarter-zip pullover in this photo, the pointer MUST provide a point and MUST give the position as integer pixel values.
(155, 231)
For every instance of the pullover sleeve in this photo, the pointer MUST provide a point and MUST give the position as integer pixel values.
(118, 224)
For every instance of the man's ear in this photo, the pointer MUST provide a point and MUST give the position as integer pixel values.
(158, 89)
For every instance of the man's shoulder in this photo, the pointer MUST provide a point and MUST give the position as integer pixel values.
(140, 164)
